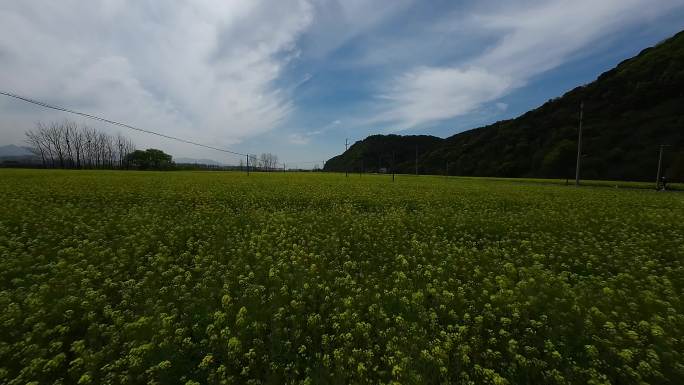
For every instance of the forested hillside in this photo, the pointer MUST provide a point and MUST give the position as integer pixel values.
(628, 112)
(379, 152)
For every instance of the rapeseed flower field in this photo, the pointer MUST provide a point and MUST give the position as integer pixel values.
(111, 277)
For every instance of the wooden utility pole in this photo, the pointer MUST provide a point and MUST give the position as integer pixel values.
(392, 166)
(579, 146)
(416, 160)
(247, 165)
(660, 162)
(346, 147)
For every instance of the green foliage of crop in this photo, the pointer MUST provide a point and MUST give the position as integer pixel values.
(219, 278)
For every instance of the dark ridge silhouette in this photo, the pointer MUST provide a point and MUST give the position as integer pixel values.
(628, 112)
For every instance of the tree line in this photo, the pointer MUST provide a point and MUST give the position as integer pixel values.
(67, 144)
(70, 145)
(265, 162)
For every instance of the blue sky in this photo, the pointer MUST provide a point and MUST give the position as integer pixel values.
(297, 77)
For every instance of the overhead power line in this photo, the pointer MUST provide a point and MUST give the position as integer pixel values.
(113, 122)
(58, 108)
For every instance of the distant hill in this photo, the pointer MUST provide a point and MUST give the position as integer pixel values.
(629, 111)
(16, 156)
(12, 150)
(209, 162)
(375, 152)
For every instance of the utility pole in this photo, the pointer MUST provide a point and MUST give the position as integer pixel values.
(247, 165)
(392, 166)
(579, 146)
(346, 167)
(416, 160)
(660, 162)
(446, 174)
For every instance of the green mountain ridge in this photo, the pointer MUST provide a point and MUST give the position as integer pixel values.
(628, 112)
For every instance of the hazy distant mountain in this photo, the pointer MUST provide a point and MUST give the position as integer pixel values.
(14, 151)
(17, 156)
(210, 162)
(628, 112)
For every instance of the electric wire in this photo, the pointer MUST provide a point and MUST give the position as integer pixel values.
(113, 122)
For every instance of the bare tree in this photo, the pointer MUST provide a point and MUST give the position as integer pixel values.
(69, 145)
(77, 143)
(66, 130)
(253, 161)
(268, 161)
(90, 137)
(53, 135)
(107, 144)
(120, 149)
(263, 162)
(272, 161)
(35, 140)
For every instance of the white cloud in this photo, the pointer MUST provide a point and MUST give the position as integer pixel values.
(339, 21)
(428, 94)
(534, 39)
(200, 69)
(299, 138)
(541, 37)
(215, 70)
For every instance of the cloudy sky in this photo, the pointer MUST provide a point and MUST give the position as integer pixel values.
(297, 77)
